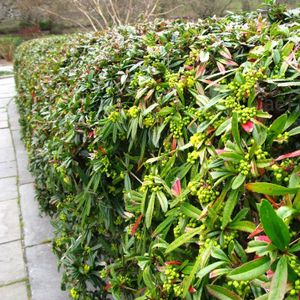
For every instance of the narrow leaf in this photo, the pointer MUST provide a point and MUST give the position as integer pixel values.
(251, 270)
(270, 188)
(279, 280)
(274, 226)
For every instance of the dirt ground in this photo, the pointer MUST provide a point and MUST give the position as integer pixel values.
(3, 62)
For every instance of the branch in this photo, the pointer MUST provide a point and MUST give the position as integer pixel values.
(62, 17)
(167, 12)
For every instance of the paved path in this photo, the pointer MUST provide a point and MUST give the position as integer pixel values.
(27, 266)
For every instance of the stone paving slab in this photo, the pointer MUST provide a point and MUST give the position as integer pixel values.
(7, 154)
(13, 111)
(9, 221)
(17, 291)
(11, 263)
(8, 169)
(5, 138)
(8, 188)
(37, 229)
(22, 160)
(43, 274)
(3, 124)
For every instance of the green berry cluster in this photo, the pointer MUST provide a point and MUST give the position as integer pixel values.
(193, 223)
(244, 167)
(207, 194)
(243, 90)
(260, 154)
(176, 126)
(282, 138)
(149, 182)
(294, 263)
(114, 116)
(103, 273)
(245, 113)
(241, 287)
(149, 121)
(171, 79)
(192, 157)
(296, 289)
(133, 111)
(279, 173)
(173, 279)
(197, 139)
(230, 102)
(228, 237)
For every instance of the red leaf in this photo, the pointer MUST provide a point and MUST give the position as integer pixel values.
(91, 134)
(231, 63)
(102, 150)
(225, 53)
(220, 151)
(174, 144)
(173, 262)
(221, 67)
(248, 126)
(176, 188)
(270, 273)
(263, 238)
(259, 104)
(200, 70)
(189, 68)
(288, 155)
(136, 225)
(107, 286)
(257, 231)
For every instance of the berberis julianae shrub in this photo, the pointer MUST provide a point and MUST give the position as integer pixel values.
(168, 154)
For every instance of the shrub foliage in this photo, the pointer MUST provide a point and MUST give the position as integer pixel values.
(168, 155)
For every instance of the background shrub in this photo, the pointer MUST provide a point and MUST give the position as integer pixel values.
(8, 45)
(167, 154)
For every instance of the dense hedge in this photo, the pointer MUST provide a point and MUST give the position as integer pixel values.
(167, 154)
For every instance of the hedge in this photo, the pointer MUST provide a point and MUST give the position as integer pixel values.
(168, 155)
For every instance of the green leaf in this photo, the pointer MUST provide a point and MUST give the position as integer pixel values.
(222, 293)
(150, 208)
(274, 226)
(190, 210)
(245, 226)
(203, 272)
(294, 131)
(162, 200)
(185, 238)
(279, 124)
(164, 224)
(235, 130)
(148, 278)
(223, 127)
(270, 188)
(251, 270)
(238, 181)
(229, 207)
(279, 280)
